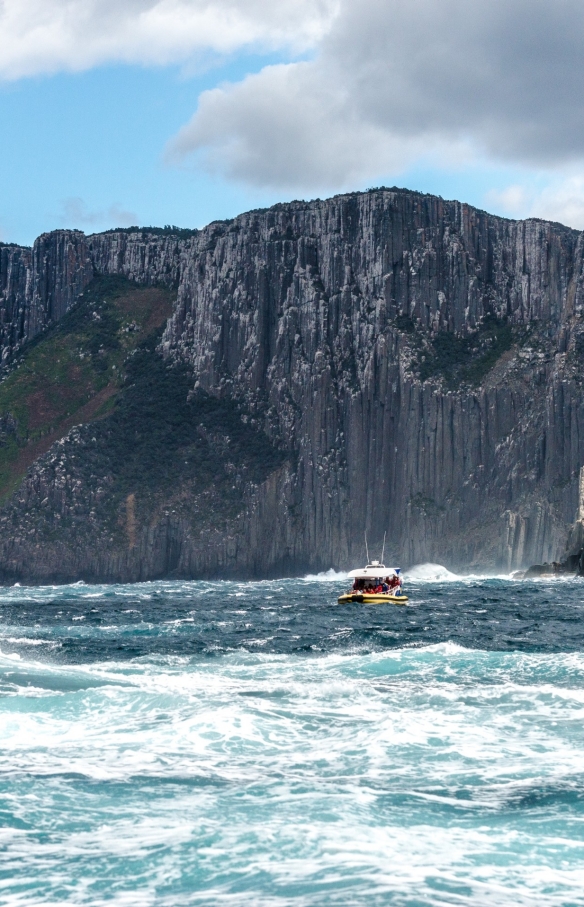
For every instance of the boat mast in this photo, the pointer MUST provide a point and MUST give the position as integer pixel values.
(366, 547)
(383, 549)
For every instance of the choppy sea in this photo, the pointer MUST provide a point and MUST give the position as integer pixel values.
(223, 743)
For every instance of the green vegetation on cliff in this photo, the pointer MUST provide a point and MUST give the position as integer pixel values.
(71, 373)
(149, 448)
(164, 444)
(468, 359)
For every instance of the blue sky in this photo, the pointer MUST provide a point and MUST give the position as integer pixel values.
(95, 141)
(187, 111)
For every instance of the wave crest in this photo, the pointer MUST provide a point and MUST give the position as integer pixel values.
(333, 576)
(430, 573)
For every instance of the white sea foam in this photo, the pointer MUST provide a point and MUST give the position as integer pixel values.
(434, 775)
(437, 573)
(332, 576)
(268, 779)
(430, 573)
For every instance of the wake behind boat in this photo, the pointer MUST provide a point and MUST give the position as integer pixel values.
(375, 584)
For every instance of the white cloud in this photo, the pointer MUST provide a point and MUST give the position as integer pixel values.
(77, 214)
(514, 200)
(283, 128)
(391, 84)
(45, 36)
(562, 200)
(397, 81)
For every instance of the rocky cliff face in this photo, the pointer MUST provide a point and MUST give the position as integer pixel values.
(418, 362)
(38, 285)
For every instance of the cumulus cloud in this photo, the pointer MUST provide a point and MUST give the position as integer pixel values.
(76, 213)
(284, 129)
(389, 84)
(45, 36)
(562, 200)
(397, 80)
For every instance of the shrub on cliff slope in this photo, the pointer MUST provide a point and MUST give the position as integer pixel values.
(162, 438)
(71, 373)
(466, 360)
(146, 446)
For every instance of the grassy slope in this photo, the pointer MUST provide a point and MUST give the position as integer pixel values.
(73, 373)
(153, 447)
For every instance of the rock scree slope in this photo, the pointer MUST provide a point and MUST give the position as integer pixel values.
(249, 398)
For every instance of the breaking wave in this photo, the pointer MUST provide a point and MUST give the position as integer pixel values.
(430, 573)
(329, 576)
(256, 743)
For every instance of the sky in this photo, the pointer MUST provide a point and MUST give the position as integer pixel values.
(154, 112)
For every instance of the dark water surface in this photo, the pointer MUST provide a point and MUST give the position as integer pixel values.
(87, 623)
(234, 743)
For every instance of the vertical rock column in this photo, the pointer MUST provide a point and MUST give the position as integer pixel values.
(61, 269)
(15, 293)
(39, 285)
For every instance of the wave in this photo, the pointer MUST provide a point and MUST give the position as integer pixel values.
(184, 762)
(441, 662)
(431, 573)
(330, 576)
(437, 573)
(30, 677)
(146, 591)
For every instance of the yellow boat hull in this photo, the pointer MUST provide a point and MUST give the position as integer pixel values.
(376, 599)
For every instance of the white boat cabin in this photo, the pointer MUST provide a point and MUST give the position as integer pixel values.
(374, 571)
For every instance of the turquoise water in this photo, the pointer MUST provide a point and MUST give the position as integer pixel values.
(255, 743)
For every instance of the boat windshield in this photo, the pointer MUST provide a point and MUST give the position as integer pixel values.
(375, 585)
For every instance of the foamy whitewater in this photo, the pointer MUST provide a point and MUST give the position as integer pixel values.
(258, 744)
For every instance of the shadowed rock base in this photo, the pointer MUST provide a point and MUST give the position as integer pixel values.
(574, 564)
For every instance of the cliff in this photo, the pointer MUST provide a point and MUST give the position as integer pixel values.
(396, 362)
(38, 285)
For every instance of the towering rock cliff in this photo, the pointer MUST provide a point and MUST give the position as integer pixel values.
(416, 363)
(38, 285)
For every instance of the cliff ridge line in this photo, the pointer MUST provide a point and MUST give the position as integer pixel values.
(418, 363)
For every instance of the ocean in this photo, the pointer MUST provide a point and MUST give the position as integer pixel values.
(225, 743)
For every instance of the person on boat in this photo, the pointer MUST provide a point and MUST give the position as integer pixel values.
(394, 583)
(384, 586)
(378, 589)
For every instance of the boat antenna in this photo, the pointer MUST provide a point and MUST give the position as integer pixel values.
(383, 549)
(366, 547)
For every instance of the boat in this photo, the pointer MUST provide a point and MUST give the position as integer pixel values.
(374, 574)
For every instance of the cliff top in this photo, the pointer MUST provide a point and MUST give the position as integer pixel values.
(171, 230)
